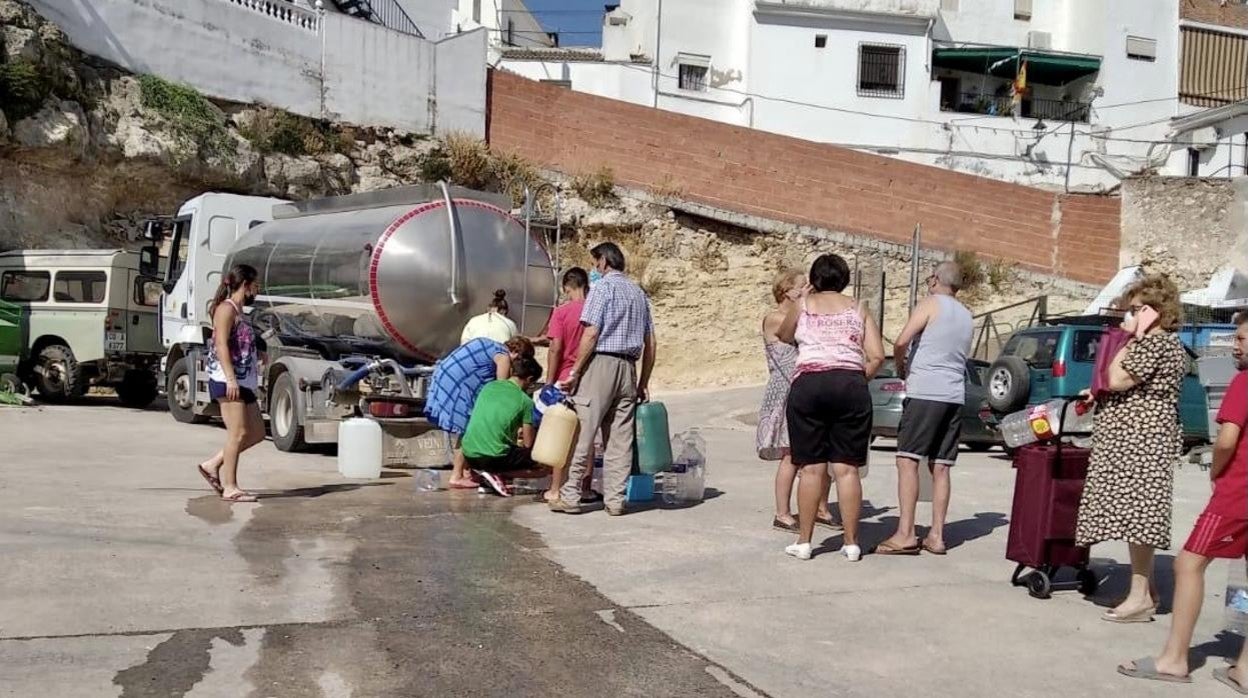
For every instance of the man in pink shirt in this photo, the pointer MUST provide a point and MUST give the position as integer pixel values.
(564, 331)
(565, 327)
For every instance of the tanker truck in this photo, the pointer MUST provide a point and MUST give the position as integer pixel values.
(360, 295)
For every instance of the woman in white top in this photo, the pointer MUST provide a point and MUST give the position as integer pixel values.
(492, 324)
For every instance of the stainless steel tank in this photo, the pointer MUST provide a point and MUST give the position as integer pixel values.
(395, 272)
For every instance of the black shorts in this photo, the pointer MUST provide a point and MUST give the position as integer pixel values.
(931, 430)
(216, 391)
(516, 458)
(829, 415)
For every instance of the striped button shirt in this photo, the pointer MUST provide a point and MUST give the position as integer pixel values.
(618, 307)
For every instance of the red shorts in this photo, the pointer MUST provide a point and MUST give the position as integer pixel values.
(1219, 536)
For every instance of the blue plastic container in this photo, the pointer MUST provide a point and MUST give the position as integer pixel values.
(640, 488)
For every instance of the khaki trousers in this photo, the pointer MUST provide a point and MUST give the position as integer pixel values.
(605, 399)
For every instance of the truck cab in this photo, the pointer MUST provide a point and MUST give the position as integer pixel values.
(196, 242)
(86, 318)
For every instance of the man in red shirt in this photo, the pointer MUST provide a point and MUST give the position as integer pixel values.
(1220, 532)
(565, 326)
(564, 331)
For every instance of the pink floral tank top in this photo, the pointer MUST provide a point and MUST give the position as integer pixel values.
(829, 341)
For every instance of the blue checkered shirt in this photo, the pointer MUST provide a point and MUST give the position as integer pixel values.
(618, 307)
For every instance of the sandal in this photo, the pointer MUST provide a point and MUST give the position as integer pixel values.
(240, 497)
(1224, 677)
(828, 522)
(1146, 668)
(933, 550)
(890, 548)
(213, 481)
(1144, 615)
(780, 525)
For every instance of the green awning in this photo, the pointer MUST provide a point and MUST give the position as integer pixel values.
(1043, 67)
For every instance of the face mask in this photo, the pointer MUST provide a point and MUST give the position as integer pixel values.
(594, 276)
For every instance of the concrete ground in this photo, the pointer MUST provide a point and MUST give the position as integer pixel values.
(715, 578)
(123, 575)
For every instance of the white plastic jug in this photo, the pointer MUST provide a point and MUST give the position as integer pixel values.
(359, 449)
(556, 437)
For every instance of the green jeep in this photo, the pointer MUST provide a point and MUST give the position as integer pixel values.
(82, 318)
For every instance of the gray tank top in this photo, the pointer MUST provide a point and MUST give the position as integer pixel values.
(937, 368)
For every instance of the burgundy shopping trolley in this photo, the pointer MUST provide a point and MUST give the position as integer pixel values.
(1047, 486)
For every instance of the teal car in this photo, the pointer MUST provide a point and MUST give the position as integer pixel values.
(1056, 361)
(11, 344)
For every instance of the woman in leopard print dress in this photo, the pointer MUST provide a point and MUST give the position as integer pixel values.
(1136, 440)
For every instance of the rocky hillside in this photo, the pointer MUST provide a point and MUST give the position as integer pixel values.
(87, 151)
(127, 146)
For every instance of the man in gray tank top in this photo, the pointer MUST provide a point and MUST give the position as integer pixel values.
(934, 367)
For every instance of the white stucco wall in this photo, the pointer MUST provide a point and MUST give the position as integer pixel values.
(627, 82)
(494, 16)
(434, 17)
(460, 78)
(267, 51)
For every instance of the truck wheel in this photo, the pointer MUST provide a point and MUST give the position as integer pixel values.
(284, 421)
(181, 394)
(137, 389)
(1009, 384)
(58, 376)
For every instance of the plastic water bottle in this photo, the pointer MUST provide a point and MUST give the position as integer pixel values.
(1237, 598)
(1045, 422)
(674, 482)
(427, 480)
(686, 480)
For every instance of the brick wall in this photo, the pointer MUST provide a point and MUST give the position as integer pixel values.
(803, 182)
(1233, 14)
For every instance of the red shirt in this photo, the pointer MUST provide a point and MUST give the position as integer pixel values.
(565, 325)
(1230, 490)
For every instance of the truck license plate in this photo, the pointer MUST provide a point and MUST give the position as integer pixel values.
(114, 341)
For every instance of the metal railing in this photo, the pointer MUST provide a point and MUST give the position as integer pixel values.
(988, 328)
(387, 13)
(1032, 108)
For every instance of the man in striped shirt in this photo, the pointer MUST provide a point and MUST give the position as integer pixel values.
(605, 383)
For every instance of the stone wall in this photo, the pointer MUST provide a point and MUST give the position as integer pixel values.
(1188, 227)
(273, 52)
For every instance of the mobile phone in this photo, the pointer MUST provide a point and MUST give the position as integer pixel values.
(1145, 320)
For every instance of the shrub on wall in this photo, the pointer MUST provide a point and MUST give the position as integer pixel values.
(191, 117)
(278, 131)
(23, 89)
(597, 187)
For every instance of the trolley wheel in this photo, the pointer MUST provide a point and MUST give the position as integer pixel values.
(1088, 581)
(1039, 585)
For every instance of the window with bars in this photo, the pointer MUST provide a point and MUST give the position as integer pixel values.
(881, 71)
(693, 77)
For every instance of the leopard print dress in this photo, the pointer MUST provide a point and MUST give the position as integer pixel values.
(1136, 440)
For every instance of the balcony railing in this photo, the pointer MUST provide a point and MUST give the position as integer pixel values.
(1032, 108)
(282, 11)
(387, 13)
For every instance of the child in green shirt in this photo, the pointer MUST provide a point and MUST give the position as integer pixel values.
(500, 430)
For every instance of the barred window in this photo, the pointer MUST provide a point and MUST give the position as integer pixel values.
(693, 77)
(881, 71)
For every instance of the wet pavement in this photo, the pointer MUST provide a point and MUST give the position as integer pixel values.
(126, 577)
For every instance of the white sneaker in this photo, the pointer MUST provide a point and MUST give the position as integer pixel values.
(800, 551)
(851, 552)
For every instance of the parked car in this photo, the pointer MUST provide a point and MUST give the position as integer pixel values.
(888, 395)
(10, 346)
(87, 317)
(1056, 361)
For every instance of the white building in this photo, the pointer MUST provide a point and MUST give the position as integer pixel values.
(509, 22)
(931, 80)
